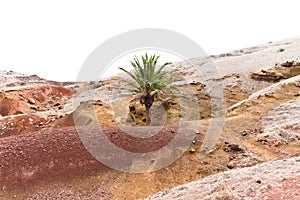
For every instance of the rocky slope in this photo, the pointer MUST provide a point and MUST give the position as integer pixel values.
(42, 155)
(271, 180)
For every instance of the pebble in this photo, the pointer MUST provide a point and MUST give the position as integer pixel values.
(31, 101)
(192, 150)
(230, 166)
(235, 147)
(244, 133)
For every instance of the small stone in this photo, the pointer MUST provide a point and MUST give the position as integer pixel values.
(230, 166)
(31, 101)
(194, 141)
(194, 83)
(297, 95)
(288, 63)
(192, 150)
(235, 147)
(198, 132)
(244, 134)
(33, 107)
(258, 181)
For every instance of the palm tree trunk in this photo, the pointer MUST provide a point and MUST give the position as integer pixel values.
(148, 117)
(148, 100)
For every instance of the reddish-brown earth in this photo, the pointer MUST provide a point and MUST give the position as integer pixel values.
(31, 108)
(42, 156)
(59, 153)
(33, 159)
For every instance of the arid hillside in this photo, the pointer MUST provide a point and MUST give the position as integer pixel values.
(47, 131)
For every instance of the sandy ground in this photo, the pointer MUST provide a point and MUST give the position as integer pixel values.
(42, 156)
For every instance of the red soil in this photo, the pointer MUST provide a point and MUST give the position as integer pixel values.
(58, 154)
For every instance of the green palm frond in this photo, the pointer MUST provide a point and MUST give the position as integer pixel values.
(146, 77)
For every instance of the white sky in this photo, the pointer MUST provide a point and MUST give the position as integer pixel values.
(53, 38)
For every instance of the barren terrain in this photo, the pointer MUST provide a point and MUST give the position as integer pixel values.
(42, 153)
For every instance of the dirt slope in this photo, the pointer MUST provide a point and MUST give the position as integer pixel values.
(42, 157)
(271, 180)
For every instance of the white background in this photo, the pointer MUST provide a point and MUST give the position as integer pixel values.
(53, 38)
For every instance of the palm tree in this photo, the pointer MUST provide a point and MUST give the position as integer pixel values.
(147, 80)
